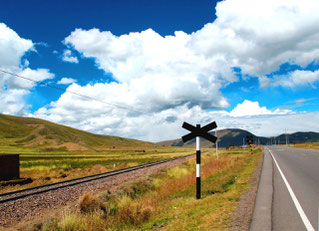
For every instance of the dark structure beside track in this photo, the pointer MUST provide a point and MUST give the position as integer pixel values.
(9, 167)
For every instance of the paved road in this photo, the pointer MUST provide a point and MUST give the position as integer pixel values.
(301, 170)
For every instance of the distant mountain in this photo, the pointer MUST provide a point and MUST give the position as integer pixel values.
(21, 133)
(237, 137)
(298, 137)
(226, 137)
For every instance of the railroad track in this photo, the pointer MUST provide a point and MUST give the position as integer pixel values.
(12, 196)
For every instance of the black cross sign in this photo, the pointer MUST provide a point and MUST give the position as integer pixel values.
(198, 131)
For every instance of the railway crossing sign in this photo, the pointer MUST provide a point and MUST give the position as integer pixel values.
(198, 132)
(249, 139)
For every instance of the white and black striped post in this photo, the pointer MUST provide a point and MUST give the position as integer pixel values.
(197, 132)
(198, 181)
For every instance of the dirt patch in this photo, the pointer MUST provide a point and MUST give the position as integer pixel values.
(97, 169)
(242, 216)
(71, 147)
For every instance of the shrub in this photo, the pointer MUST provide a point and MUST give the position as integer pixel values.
(91, 203)
(134, 213)
(70, 222)
(137, 189)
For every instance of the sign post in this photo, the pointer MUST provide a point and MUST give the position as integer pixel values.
(216, 144)
(199, 132)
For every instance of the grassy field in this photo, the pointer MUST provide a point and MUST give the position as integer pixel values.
(23, 135)
(54, 167)
(307, 145)
(166, 200)
(51, 152)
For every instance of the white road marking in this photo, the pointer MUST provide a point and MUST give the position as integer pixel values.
(294, 198)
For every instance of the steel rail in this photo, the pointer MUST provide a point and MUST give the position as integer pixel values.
(15, 195)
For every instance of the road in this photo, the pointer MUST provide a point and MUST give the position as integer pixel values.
(295, 200)
(301, 169)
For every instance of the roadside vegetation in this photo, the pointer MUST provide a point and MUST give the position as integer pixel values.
(314, 145)
(165, 200)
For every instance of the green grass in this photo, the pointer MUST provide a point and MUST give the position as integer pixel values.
(30, 135)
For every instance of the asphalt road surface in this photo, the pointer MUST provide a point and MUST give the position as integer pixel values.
(295, 199)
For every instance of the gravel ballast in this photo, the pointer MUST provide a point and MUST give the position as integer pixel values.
(27, 208)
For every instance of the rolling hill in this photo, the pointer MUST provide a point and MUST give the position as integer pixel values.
(237, 137)
(40, 135)
(21, 134)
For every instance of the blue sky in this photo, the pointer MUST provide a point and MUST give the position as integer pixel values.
(241, 63)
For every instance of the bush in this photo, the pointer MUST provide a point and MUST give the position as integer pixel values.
(134, 214)
(70, 222)
(90, 203)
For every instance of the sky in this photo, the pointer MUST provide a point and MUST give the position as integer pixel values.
(151, 65)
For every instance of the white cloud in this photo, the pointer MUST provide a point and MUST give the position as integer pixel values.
(66, 81)
(176, 78)
(297, 78)
(259, 36)
(264, 82)
(67, 57)
(13, 89)
(12, 48)
(249, 108)
(166, 124)
(165, 72)
(12, 101)
(293, 79)
(161, 72)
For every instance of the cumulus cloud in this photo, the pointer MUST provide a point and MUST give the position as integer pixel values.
(66, 81)
(259, 36)
(12, 101)
(298, 78)
(293, 79)
(165, 72)
(13, 90)
(67, 57)
(249, 108)
(12, 47)
(161, 72)
(166, 124)
(177, 78)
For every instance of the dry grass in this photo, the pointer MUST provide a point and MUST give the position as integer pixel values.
(306, 145)
(91, 203)
(166, 200)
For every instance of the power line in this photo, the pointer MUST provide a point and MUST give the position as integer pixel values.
(74, 93)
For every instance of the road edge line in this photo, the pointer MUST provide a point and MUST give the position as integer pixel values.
(302, 214)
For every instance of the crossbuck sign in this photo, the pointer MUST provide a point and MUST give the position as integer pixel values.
(199, 132)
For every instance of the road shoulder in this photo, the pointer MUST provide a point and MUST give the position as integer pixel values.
(242, 216)
(261, 220)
